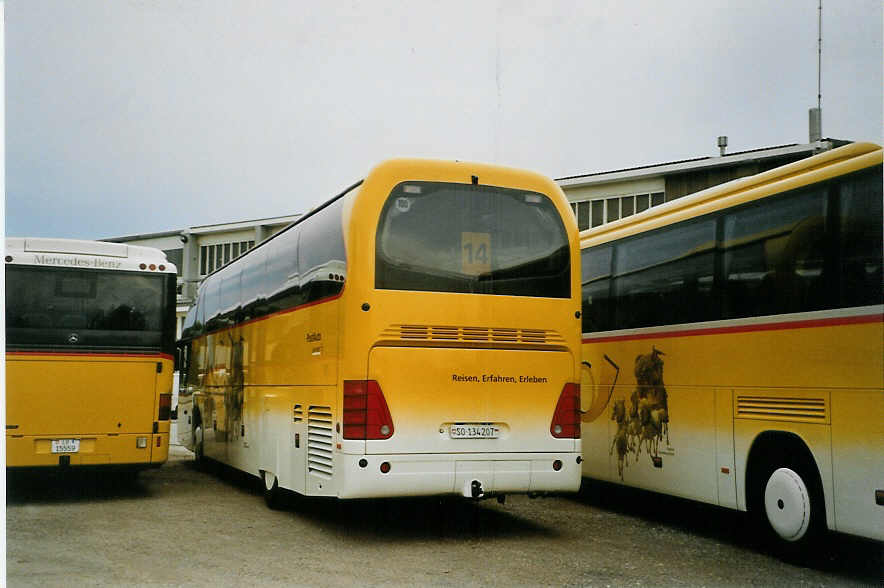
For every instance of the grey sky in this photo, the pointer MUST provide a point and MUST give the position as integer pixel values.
(133, 116)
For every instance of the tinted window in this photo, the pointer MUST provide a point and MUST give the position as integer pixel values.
(465, 238)
(283, 281)
(810, 249)
(321, 255)
(774, 254)
(211, 302)
(596, 270)
(229, 295)
(253, 282)
(189, 328)
(860, 235)
(666, 276)
(52, 307)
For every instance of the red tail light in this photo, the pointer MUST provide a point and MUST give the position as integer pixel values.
(366, 415)
(566, 420)
(165, 407)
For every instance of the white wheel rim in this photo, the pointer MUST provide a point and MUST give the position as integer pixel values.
(787, 503)
(269, 480)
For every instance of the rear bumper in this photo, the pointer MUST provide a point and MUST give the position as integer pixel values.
(434, 474)
(95, 450)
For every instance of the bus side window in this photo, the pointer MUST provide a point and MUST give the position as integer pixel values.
(598, 308)
(860, 235)
(774, 256)
(665, 277)
(282, 281)
(254, 284)
(321, 255)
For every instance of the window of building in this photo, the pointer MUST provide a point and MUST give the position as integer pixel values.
(175, 256)
(594, 213)
(583, 215)
(598, 212)
(213, 257)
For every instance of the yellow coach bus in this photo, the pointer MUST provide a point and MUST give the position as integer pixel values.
(90, 338)
(416, 335)
(733, 345)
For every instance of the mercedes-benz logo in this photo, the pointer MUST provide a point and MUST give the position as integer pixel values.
(73, 338)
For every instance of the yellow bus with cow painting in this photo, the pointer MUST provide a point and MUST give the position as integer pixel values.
(417, 334)
(733, 348)
(90, 338)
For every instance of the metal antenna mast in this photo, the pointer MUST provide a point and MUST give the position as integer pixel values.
(819, 58)
(816, 114)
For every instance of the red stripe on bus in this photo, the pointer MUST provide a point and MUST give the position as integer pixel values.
(92, 354)
(778, 326)
(274, 314)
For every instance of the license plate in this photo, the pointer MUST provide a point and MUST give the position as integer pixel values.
(65, 445)
(473, 431)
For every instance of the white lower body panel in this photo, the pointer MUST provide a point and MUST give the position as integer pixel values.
(434, 474)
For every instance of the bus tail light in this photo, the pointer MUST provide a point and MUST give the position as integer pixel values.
(366, 415)
(165, 407)
(566, 419)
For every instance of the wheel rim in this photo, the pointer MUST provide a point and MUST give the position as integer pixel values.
(787, 504)
(269, 481)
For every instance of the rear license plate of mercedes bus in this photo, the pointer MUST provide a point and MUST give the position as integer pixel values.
(65, 445)
(473, 431)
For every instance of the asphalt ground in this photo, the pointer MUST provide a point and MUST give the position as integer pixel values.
(180, 525)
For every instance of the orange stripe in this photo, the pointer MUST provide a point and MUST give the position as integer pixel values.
(775, 326)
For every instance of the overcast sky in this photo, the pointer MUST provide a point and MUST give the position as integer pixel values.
(140, 116)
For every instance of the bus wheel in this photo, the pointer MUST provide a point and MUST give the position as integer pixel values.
(272, 491)
(789, 506)
(198, 454)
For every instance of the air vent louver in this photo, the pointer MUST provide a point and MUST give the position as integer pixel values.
(814, 410)
(448, 335)
(320, 456)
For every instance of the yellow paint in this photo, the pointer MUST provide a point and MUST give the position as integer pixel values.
(298, 359)
(820, 378)
(105, 401)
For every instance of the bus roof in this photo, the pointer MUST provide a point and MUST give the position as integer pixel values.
(841, 160)
(76, 253)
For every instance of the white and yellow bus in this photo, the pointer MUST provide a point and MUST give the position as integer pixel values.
(90, 338)
(733, 347)
(416, 335)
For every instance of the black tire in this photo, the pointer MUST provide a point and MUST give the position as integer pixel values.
(272, 495)
(788, 504)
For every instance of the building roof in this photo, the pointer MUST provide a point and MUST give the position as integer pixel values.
(207, 229)
(685, 165)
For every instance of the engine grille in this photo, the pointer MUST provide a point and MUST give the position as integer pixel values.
(320, 457)
(480, 336)
(783, 409)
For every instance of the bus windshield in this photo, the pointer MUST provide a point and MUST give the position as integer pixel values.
(445, 237)
(86, 309)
